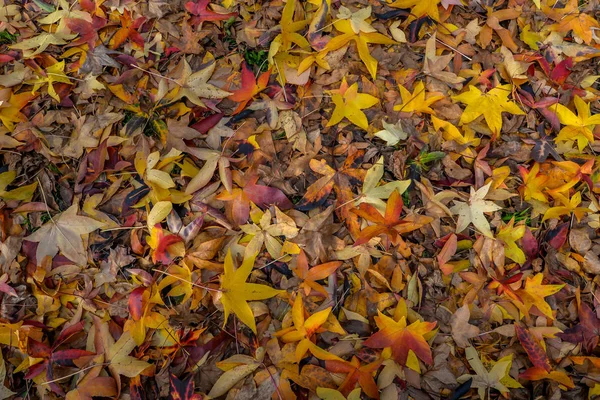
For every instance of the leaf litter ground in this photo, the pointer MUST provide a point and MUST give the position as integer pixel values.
(299, 199)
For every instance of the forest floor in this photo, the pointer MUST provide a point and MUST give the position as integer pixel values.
(335, 199)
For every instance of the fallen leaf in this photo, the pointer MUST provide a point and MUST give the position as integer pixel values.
(64, 233)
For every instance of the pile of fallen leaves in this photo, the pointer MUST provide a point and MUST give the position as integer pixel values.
(335, 199)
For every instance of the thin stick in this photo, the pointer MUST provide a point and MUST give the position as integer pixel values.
(121, 228)
(272, 262)
(411, 99)
(186, 281)
(75, 373)
(350, 201)
(453, 49)
(156, 75)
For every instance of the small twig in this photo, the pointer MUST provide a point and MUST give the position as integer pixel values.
(411, 99)
(350, 201)
(186, 281)
(453, 49)
(156, 74)
(235, 329)
(75, 373)
(45, 202)
(272, 262)
(272, 380)
(121, 228)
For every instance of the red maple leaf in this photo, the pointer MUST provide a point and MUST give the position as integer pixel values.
(88, 31)
(52, 356)
(201, 12)
(160, 243)
(586, 331)
(534, 349)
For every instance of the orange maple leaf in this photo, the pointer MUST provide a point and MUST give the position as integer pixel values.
(127, 30)
(390, 224)
(533, 183)
(316, 273)
(250, 87)
(402, 338)
(339, 181)
(304, 329)
(570, 18)
(533, 294)
(355, 374)
(537, 373)
(10, 112)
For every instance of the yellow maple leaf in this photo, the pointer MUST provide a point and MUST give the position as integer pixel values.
(577, 127)
(195, 86)
(264, 233)
(162, 187)
(362, 40)
(467, 141)
(349, 104)
(282, 51)
(567, 207)
(534, 294)
(236, 292)
(417, 101)
(497, 378)
(54, 73)
(491, 105)
(373, 193)
(314, 58)
(10, 108)
(419, 8)
(289, 35)
(533, 183)
(509, 234)
(24, 193)
(358, 19)
(41, 43)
